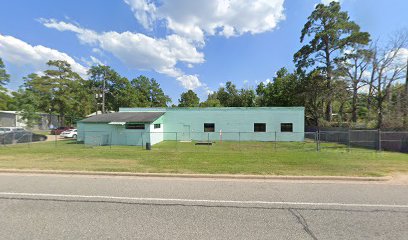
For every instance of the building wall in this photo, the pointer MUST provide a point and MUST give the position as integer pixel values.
(100, 134)
(7, 119)
(156, 134)
(14, 119)
(234, 123)
(94, 133)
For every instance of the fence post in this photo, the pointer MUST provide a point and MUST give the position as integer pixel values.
(317, 141)
(348, 141)
(141, 136)
(379, 139)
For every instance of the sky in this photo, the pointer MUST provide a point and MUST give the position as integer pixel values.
(183, 44)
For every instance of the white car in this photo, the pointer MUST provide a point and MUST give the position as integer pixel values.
(71, 133)
(10, 129)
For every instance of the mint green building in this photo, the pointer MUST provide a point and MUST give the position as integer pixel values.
(137, 126)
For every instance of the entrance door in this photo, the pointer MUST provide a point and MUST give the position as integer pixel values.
(185, 136)
(120, 135)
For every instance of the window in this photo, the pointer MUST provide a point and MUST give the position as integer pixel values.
(286, 127)
(157, 125)
(135, 126)
(259, 127)
(209, 127)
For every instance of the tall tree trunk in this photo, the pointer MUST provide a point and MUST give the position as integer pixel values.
(103, 97)
(370, 92)
(380, 116)
(341, 111)
(380, 100)
(62, 119)
(354, 104)
(329, 107)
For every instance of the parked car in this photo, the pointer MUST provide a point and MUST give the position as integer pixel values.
(10, 129)
(5, 130)
(59, 130)
(21, 136)
(72, 133)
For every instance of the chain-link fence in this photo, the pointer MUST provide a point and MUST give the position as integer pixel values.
(346, 140)
(16, 137)
(366, 139)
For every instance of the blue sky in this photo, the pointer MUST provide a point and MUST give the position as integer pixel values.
(183, 44)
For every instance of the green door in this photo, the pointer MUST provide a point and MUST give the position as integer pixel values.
(185, 135)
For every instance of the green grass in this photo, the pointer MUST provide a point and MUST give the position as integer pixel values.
(227, 157)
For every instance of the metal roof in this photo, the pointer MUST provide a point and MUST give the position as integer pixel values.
(141, 117)
(215, 109)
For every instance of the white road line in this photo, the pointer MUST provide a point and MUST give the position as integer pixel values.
(175, 200)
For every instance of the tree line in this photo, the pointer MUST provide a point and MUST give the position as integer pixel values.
(59, 90)
(341, 76)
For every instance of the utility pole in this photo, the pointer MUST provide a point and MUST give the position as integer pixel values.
(103, 91)
(405, 102)
(96, 100)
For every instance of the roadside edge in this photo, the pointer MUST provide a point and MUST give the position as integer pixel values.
(215, 176)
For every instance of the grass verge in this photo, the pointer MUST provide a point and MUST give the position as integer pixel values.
(266, 158)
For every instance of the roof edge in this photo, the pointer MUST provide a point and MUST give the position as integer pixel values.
(206, 109)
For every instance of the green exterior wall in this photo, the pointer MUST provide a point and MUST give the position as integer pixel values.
(100, 134)
(236, 124)
(186, 124)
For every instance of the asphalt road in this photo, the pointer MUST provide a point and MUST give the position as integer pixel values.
(95, 207)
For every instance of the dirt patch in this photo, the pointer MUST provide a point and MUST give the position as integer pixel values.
(400, 178)
(51, 138)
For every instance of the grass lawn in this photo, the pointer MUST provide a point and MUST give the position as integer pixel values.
(227, 157)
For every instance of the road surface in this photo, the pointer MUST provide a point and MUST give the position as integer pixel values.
(99, 207)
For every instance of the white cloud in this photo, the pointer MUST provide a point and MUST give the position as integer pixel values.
(84, 35)
(96, 61)
(189, 81)
(92, 61)
(97, 51)
(142, 52)
(207, 90)
(402, 56)
(144, 12)
(21, 53)
(395, 58)
(395, 62)
(267, 81)
(194, 19)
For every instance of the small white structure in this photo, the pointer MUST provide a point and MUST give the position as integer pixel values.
(14, 119)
